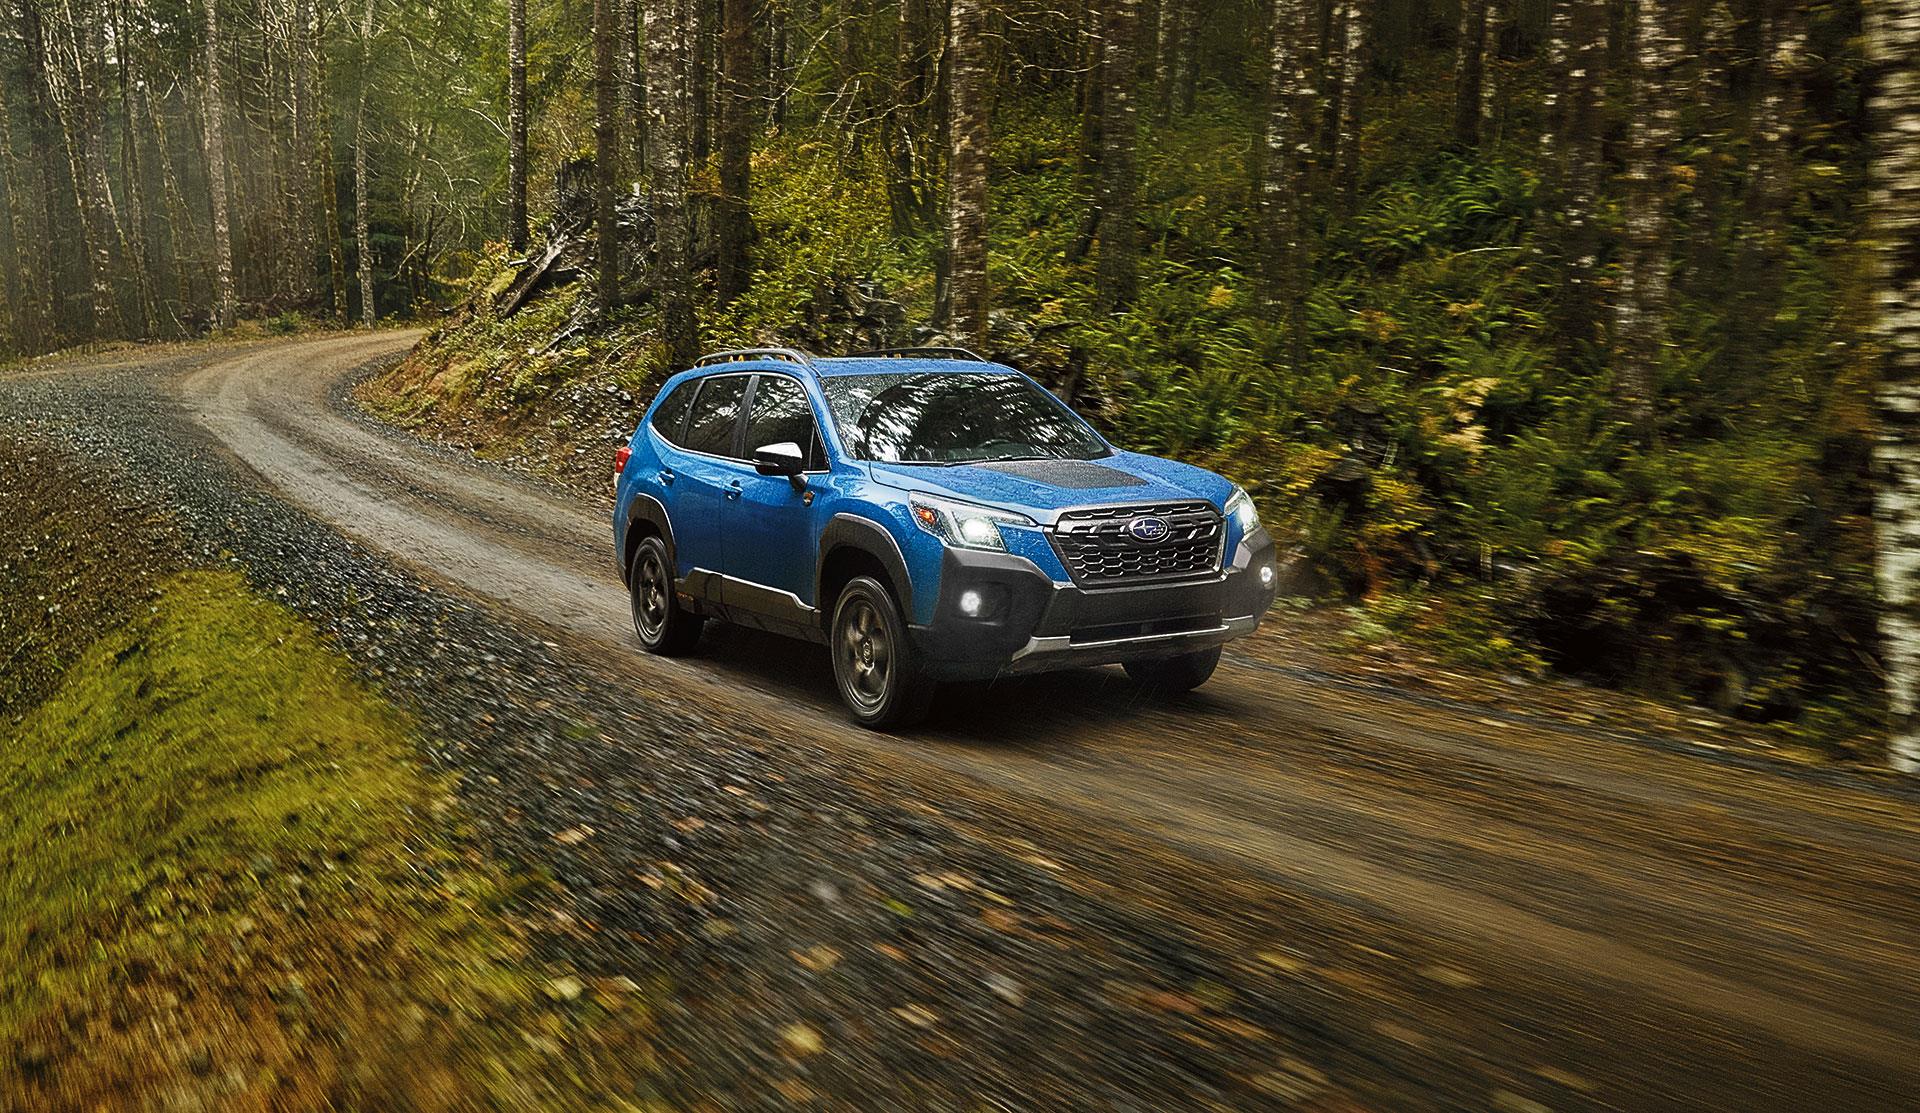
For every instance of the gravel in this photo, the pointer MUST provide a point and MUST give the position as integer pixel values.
(800, 939)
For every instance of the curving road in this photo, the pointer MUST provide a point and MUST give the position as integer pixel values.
(1487, 892)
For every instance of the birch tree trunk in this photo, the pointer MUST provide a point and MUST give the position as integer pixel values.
(1640, 299)
(667, 47)
(136, 224)
(1893, 34)
(606, 159)
(967, 176)
(223, 300)
(362, 225)
(1355, 62)
(517, 125)
(1115, 274)
(1280, 161)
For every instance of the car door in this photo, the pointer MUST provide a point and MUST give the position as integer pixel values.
(700, 475)
(767, 529)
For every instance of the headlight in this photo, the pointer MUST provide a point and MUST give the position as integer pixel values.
(963, 525)
(1240, 509)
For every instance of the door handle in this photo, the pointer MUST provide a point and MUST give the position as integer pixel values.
(733, 489)
(665, 476)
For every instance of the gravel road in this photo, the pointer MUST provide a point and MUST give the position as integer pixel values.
(1290, 890)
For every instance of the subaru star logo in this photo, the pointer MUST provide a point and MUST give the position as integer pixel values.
(1148, 529)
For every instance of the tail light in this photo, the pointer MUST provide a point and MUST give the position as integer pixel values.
(620, 459)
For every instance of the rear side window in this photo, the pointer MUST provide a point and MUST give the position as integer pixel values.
(781, 412)
(715, 411)
(670, 416)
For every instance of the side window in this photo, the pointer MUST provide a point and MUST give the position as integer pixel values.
(715, 411)
(780, 413)
(670, 416)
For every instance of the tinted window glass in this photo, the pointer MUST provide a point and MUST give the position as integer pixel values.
(781, 412)
(956, 418)
(671, 414)
(710, 426)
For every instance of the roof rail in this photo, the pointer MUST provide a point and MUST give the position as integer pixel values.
(937, 352)
(736, 355)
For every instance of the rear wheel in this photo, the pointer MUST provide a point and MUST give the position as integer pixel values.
(1172, 675)
(664, 627)
(873, 663)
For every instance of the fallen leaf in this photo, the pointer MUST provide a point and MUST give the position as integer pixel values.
(917, 1015)
(801, 1040)
(573, 836)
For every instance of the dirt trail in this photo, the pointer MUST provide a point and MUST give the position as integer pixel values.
(1728, 936)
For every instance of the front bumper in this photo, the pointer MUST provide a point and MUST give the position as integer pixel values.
(998, 614)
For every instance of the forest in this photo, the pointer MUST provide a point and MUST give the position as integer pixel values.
(1562, 335)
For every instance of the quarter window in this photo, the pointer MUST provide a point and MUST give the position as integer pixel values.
(670, 416)
(715, 413)
(780, 413)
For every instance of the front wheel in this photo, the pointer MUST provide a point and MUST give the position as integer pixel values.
(873, 663)
(1170, 676)
(664, 627)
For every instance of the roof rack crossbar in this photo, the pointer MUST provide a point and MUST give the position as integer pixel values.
(935, 352)
(736, 355)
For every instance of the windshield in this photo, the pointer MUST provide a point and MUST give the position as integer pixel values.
(955, 418)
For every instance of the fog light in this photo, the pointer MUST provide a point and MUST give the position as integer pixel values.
(970, 603)
(1266, 575)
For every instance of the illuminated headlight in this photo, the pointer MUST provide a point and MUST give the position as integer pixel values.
(1266, 575)
(963, 525)
(1240, 509)
(970, 603)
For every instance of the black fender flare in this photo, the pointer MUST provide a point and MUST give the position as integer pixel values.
(850, 531)
(645, 508)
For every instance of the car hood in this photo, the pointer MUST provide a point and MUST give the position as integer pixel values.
(1042, 488)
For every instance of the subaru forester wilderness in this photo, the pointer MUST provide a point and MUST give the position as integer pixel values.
(928, 516)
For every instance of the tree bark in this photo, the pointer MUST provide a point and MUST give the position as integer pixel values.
(27, 278)
(606, 159)
(1280, 161)
(967, 176)
(1640, 303)
(325, 183)
(362, 220)
(733, 222)
(667, 49)
(1893, 35)
(1355, 62)
(517, 235)
(1115, 274)
(223, 298)
(136, 224)
(1468, 73)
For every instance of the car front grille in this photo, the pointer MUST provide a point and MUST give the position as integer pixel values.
(1101, 547)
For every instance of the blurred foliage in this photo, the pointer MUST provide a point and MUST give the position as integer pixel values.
(1438, 442)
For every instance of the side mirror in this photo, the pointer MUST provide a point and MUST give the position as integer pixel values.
(784, 458)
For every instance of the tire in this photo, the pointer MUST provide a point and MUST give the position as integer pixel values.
(1170, 676)
(873, 662)
(663, 626)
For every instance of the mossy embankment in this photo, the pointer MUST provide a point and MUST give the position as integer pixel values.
(228, 876)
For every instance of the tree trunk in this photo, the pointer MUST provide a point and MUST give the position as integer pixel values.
(325, 182)
(1469, 60)
(517, 236)
(1493, 71)
(362, 224)
(1640, 303)
(1355, 61)
(136, 224)
(733, 225)
(223, 304)
(633, 92)
(1114, 277)
(606, 158)
(1893, 35)
(1279, 215)
(967, 176)
(667, 49)
(27, 278)
(1166, 61)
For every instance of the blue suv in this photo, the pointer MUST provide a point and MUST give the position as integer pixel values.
(929, 516)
